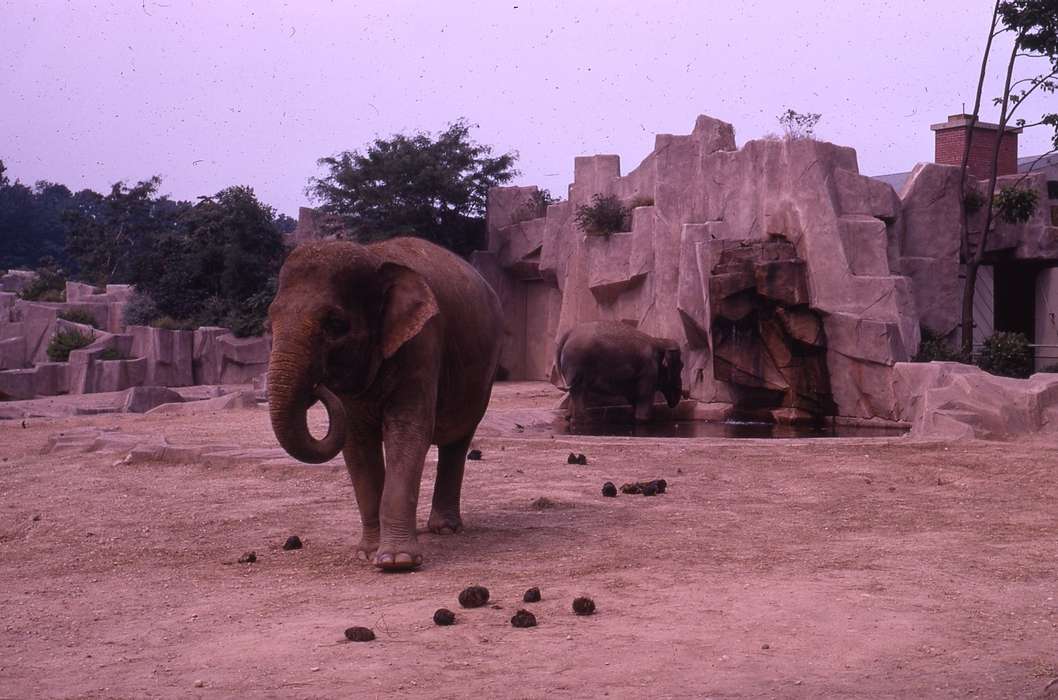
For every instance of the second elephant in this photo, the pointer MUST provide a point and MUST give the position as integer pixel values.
(612, 359)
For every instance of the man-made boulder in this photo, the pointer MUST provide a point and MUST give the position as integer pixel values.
(949, 401)
(141, 399)
(221, 358)
(16, 280)
(169, 355)
(43, 379)
(227, 402)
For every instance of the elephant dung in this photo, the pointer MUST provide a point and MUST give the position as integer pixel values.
(359, 634)
(532, 595)
(474, 596)
(444, 617)
(584, 606)
(293, 542)
(523, 618)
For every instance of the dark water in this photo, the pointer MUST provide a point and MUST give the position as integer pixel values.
(730, 429)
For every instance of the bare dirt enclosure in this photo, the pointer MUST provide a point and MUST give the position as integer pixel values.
(769, 568)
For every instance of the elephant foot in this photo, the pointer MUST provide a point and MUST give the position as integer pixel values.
(399, 557)
(444, 523)
(367, 547)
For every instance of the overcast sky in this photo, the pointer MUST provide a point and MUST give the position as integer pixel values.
(212, 94)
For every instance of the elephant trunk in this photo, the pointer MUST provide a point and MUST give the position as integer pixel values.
(291, 390)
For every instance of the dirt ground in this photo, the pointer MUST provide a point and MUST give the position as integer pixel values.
(771, 568)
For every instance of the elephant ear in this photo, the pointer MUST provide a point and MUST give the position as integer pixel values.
(409, 304)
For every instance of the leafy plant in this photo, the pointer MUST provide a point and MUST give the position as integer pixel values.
(140, 310)
(64, 342)
(48, 285)
(82, 316)
(111, 354)
(934, 348)
(972, 201)
(1006, 355)
(168, 323)
(1016, 206)
(605, 215)
(798, 125)
(536, 204)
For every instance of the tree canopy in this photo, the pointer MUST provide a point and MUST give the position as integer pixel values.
(218, 265)
(432, 187)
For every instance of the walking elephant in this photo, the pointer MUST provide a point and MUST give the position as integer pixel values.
(400, 340)
(611, 359)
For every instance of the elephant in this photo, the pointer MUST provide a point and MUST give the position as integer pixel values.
(612, 359)
(400, 341)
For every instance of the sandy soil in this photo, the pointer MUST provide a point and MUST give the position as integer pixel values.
(771, 568)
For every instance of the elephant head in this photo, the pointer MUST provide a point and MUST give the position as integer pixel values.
(340, 312)
(670, 371)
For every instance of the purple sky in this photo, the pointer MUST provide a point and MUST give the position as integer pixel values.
(211, 94)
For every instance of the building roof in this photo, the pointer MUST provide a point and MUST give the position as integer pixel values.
(897, 180)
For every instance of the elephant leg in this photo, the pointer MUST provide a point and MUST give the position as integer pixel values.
(363, 460)
(444, 515)
(643, 399)
(578, 407)
(406, 445)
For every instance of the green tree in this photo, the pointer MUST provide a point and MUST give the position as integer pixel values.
(31, 223)
(431, 187)
(1034, 26)
(218, 267)
(105, 235)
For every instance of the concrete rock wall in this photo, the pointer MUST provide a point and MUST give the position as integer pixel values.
(146, 356)
(706, 195)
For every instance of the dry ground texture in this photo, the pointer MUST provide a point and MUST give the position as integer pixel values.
(771, 568)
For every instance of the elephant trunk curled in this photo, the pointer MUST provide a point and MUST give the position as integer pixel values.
(291, 391)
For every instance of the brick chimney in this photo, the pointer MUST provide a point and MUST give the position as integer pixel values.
(951, 141)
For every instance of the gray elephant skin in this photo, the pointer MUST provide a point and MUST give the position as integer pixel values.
(604, 359)
(400, 340)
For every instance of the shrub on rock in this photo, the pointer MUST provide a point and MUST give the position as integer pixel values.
(65, 342)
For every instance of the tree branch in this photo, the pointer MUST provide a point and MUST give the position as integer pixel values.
(1040, 80)
(1033, 166)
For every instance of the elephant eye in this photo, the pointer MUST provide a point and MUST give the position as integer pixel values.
(335, 326)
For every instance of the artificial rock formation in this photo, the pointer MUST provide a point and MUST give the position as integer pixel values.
(768, 344)
(802, 199)
(119, 357)
(950, 401)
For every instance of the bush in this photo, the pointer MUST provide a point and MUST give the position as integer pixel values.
(111, 354)
(972, 201)
(1016, 206)
(605, 215)
(141, 310)
(48, 285)
(168, 323)
(934, 348)
(82, 316)
(249, 318)
(536, 205)
(1006, 355)
(63, 342)
(798, 125)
